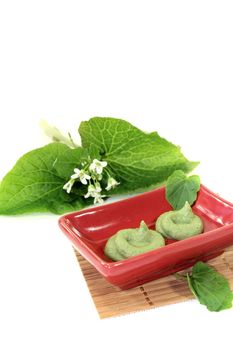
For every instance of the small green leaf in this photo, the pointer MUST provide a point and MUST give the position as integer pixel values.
(210, 287)
(181, 189)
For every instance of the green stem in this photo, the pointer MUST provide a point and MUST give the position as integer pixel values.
(107, 172)
(72, 141)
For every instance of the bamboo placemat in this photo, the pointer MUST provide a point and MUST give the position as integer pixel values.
(111, 301)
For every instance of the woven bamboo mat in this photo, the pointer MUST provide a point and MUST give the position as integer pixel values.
(111, 301)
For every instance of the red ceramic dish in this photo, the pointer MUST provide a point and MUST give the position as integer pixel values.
(89, 230)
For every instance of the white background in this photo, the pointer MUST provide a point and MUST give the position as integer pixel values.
(162, 65)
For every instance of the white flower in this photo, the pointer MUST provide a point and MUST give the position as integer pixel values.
(98, 199)
(97, 166)
(98, 187)
(68, 186)
(94, 192)
(91, 191)
(112, 183)
(82, 175)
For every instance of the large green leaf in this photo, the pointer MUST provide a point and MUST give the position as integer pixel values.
(136, 159)
(35, 182)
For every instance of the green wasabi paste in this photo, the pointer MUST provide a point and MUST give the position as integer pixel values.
(179, 224)
(130, 242)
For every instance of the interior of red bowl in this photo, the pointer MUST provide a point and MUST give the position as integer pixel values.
(95, 225)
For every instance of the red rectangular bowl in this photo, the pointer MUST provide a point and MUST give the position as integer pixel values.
(90, 229)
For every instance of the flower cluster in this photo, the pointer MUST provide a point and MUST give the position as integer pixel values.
(91, 175)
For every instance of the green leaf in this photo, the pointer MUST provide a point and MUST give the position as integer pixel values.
(70, 159)
(61, 207)
(93, 152)
(136, 159)
(35, 184)
(181, 189)
(210, 288)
